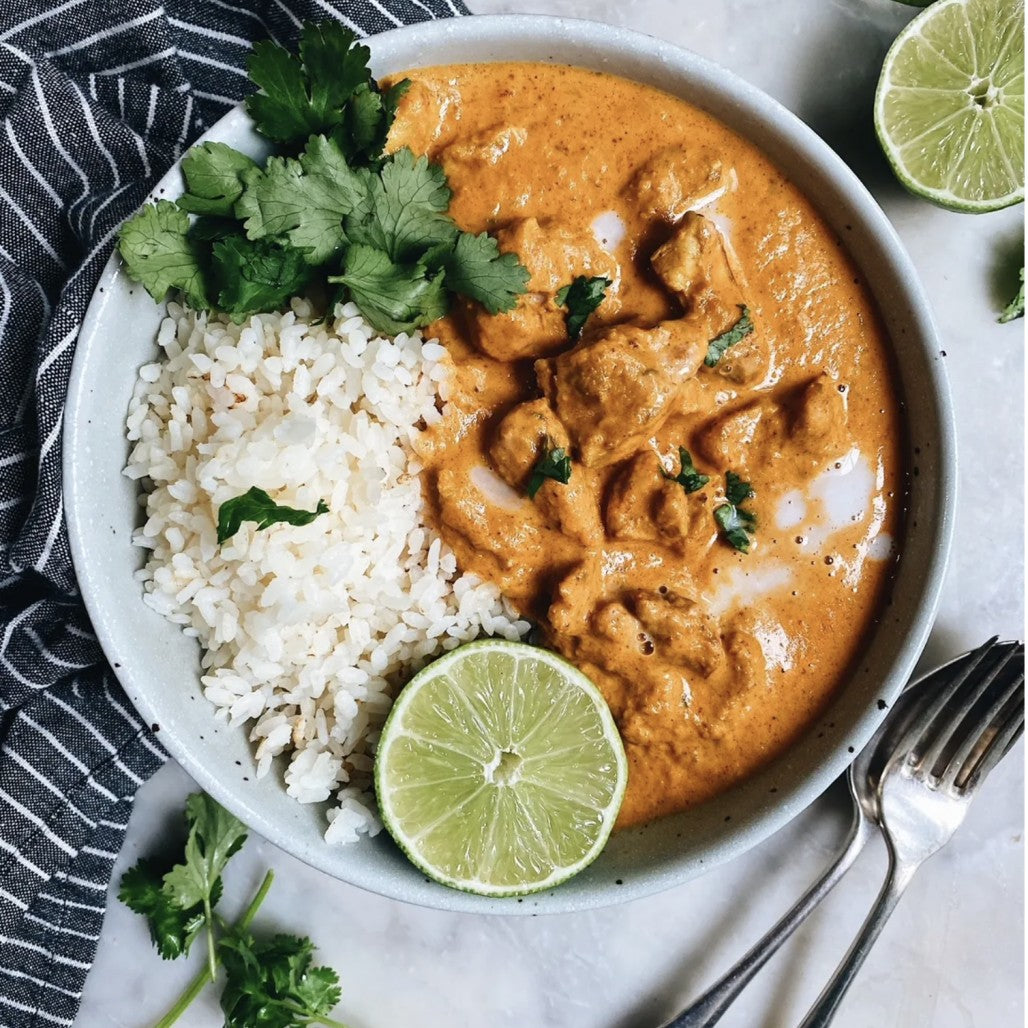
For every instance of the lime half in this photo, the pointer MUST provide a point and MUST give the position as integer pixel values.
(949, 109)
(500, 770)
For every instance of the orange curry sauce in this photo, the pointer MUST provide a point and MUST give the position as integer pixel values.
(712, 660)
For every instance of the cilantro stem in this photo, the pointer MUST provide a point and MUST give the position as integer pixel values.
(196, 986)
(212, 957)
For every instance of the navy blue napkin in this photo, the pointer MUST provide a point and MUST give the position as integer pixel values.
(97, 100)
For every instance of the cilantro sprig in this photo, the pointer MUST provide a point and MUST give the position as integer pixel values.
(256, 505)
(1014, 309)
(329, 206)
(719, 344)
(554, 464)
(737, 523)
(689, 478)
(269, 983)
(581, 297)
(178, 904)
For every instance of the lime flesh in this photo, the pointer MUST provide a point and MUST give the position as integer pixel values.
(949, 110)
(500, 770)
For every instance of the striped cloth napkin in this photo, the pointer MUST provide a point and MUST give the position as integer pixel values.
(97, 100)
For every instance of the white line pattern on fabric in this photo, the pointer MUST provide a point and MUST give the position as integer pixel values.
(38, 822)
(97, 37)
(76, 156)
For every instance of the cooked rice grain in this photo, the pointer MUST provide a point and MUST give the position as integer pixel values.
(308, 631)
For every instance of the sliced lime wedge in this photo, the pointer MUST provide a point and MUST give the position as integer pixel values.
(500, 770)
(949, 110)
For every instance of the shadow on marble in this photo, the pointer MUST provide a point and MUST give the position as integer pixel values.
(711, 955)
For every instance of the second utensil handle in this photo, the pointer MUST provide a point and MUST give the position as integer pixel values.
(711, 1006)
(825, 1006)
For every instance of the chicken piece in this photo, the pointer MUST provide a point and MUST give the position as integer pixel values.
(571, 508)
(426, 117)
(683, 631)
(493, 533)
(680, 519)
(819, 422)
(613, 391)
(805, 433)
(746, 661)
(469, 155)
(575, 599)
(628, 512)
(694, 266)
(554, 255)
(674, 180)
(521, 437)
(729, 440)
(615, 623)
(747, 362)
(642, 505)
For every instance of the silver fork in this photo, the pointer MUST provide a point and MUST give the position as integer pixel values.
(946, 752)
(862, 779)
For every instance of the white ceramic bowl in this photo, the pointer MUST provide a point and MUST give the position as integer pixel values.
(158, 666)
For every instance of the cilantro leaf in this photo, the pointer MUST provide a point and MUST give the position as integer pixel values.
(581, 298)
(736, 490)
(689, 477)
(393, 297)
(214, 835)
(719, 344)
(256, 275)
(475, 268)
(554, 463)
(307, 93)
(1014, 309)
(256, 505)
(271, 984)
(214, 176)
(304, 200)
(172, 928)
(158, 252)
(736, 523)
(404, 210)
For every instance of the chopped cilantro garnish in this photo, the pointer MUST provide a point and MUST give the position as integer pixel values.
(581, 297)
(689, 477)
(256, 505)
(719, 344)
(736, 523)
(554, 463)
(1014, 309)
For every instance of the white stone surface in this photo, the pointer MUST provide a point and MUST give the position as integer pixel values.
(953, 954)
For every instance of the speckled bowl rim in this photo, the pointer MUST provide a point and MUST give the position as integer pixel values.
(158, 667)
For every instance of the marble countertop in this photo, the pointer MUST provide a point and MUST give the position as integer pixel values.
(953, 954)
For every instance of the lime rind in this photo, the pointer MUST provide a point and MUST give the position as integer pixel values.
(533, 835)
(942, 142)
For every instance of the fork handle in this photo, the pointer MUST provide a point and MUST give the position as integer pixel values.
(711, 1006)
(824, 1008)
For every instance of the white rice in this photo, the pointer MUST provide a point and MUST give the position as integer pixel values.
(307, 632)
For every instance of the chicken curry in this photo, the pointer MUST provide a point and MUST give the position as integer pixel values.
(712, 453)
